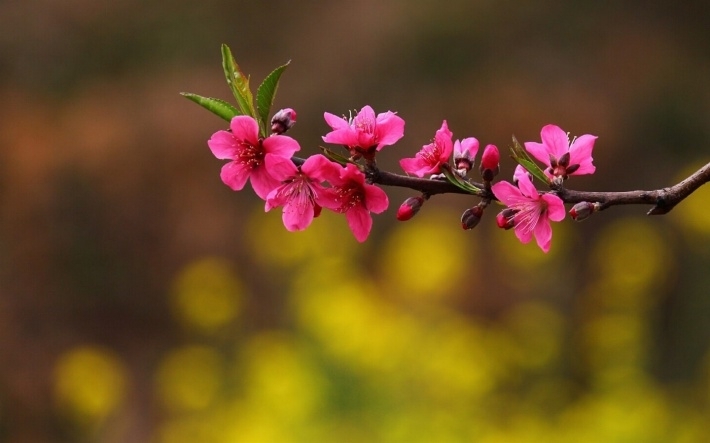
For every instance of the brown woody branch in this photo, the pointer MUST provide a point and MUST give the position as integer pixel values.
(663, 200)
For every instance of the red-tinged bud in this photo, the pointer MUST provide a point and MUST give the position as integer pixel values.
(583, 210)
(283, 120)
(506, 218)
(409, 208)
(471, 217)
(490, 163)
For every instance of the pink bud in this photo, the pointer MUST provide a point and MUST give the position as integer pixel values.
(409, 208)
(283, 120)
(490, 163)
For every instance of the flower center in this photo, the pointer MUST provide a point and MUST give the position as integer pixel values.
(349, 196)
(431, 153)
(249, 155)
(528, 214)
(365, 125)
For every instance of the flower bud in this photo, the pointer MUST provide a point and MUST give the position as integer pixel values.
(283, 120)
(583, 210)
(471, 217)
(409, 208)
(464, 153)
(490, 163)
(506, 218)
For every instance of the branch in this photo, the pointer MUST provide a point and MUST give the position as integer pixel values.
(663, 200)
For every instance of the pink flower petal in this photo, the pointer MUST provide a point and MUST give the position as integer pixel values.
(555, 207)
(245, 128)
(543, 234)
(375, 199)
(280, 168)
(539, 151)
(297, 215)
(508, 194)
(390, 128)
(335, 122)
(262, 182)
(319, 168)
(581, 153)
(555, 140)
(281, 145)
(235, 175)
(360, 222)
(223, 145)
(527, 188)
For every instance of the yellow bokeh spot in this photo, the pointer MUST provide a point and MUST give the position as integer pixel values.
(429, 257)
(280, 381)
(327, 236)
(354, 325)
(189, 378)
(207, 294)
(631, 257)
(89, 383)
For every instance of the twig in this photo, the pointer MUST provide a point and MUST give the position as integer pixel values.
(663, 200)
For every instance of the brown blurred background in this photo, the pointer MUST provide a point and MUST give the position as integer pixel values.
(141, 300)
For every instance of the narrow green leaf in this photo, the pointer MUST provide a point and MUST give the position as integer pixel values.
(521, 156)
(238, 83)
(265, 94)
(460, 183)
(219, 107)
(335, 157)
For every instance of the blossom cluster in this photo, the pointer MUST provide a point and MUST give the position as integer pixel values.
(303, 188)
(302, 191)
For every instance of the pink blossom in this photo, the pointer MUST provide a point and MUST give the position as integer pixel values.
(247, 154)
(464, 154)
(430, 158)
(562, 157)
(528, 212)
(354, 198)
(301, 192)
(365, 131)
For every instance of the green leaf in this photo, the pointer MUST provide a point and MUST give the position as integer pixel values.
(521, 156)
(219, 107)
(335, 157)
(459, 182)
(238, 83)
(265, 94)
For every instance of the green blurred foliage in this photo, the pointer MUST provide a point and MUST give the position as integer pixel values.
(142, 300)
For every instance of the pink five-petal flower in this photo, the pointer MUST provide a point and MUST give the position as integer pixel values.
(354, 198)
(562, 157)
(365, 131)
(530, 212)
(301, 192)
(247, 153)
(430, 158)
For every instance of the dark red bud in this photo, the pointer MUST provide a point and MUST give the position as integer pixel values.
(471, 217)
(583, 210)
(506, 218)
(409, 208)
(283, 120)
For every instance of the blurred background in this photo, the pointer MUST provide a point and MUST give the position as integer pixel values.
(141, 300)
